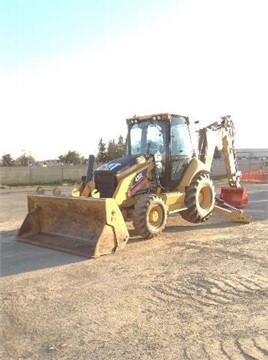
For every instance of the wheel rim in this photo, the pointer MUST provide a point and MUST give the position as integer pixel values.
(199, 199)
(155, 217)
(204, 197)
(149, 216)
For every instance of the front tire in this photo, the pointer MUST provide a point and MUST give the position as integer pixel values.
(149, 216)
(199, 199)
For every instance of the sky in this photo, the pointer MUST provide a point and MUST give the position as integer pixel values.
(72, 71)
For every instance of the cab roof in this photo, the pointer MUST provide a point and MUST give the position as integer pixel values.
(159, 116)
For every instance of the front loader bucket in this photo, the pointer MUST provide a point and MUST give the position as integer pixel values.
(235, 196)
(82, 226)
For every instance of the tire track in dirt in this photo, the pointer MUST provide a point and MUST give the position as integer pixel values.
(206, 292)
(209, 291)
(246, 348)
(229, 349)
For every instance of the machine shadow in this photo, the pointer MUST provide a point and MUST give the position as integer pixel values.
(182, 228)
(17, 257)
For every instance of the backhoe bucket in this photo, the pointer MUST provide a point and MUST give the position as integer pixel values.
(235, 196)
(82, 226)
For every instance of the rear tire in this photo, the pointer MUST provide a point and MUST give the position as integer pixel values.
(199, 198)
(149, 216)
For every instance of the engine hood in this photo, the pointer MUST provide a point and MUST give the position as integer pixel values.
(118, 165)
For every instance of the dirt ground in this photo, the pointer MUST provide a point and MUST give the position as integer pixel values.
(195, 292)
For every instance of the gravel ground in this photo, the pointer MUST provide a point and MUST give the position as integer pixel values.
(195, 292)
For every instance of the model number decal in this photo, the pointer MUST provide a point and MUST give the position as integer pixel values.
(138, 177)
(140, 181)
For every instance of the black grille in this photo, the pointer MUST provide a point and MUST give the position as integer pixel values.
(105, 183)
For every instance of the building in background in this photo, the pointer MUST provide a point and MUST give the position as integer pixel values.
(252, 153)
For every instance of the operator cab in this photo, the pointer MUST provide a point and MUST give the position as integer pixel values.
(167, 138)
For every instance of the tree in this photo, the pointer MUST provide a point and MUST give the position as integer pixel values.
(102, 152)
(72, 158)
(7, 160)
(114, 150)
(121, 146)
(26, 159)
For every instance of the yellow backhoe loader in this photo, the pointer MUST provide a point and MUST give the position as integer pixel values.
(163, 172)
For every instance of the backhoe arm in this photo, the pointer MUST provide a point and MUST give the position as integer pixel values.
(209, 137)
